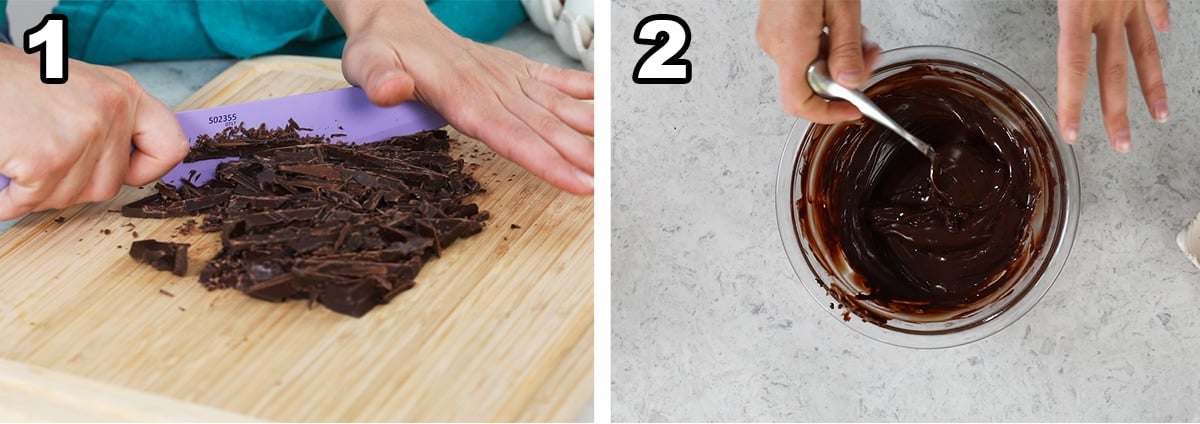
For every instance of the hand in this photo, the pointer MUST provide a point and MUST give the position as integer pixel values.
(530, 113)
(70, 143)
(1118, 25)
(792, 33)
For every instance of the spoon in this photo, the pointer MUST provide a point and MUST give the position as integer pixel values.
(824, 86)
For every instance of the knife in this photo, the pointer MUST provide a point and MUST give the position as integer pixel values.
(335, 112)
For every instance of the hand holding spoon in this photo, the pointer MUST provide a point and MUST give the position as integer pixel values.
(823, 85)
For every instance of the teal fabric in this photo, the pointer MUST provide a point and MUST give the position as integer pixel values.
(113, 31)
(4, 33)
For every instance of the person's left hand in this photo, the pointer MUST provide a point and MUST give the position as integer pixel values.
(531, 113)
(1119, 25)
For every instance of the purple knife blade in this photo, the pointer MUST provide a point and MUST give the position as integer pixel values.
(341, 111)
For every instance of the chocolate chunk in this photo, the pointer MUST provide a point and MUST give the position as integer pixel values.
(162, 256)
(60, 220)
(347, 226)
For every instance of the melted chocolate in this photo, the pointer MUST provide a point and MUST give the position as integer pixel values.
(926, 241)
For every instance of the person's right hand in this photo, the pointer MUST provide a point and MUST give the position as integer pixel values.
(70, 143)
(792, 33)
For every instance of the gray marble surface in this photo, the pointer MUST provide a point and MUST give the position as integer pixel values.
(710, 324)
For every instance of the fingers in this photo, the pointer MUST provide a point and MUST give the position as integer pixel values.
(569, 144)
(1157, 12)
(45, 176)
(66, 190)
(791, 33)
(1148, 63)
(17, 200)
(514, 140)
(845, 42)
(158, 140)
(110, 171)
(799, 100)
(382, 76)
(1113, 67)
(577, 84)
(579, 115)
(1074, 49)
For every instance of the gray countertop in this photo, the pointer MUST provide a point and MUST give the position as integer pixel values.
(709, 320)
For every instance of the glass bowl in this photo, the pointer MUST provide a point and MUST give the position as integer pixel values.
(823, 269)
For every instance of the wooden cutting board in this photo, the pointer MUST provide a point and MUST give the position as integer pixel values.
(498, 328)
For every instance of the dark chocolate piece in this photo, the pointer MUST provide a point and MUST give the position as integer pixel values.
(162, 256)
(345, 226)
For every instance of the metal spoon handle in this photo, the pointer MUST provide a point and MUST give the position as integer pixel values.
(822, 84)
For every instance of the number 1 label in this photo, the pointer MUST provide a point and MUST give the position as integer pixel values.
(50, 39)
(662, 64)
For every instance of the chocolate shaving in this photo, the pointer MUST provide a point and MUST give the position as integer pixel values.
(348, 227)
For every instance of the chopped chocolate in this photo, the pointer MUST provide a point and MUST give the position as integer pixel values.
(60, 220)
(346, 226)
(162, 256)
(187, 228)
(514, 227)
(106, 231)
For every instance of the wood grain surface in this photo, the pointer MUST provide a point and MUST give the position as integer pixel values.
(498, 328)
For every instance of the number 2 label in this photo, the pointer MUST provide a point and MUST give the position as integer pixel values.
(50, 39)
(662, 64)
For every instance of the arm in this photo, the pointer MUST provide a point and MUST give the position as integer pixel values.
(531, 113)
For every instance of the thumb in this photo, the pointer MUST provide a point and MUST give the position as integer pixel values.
(845, 43)
(158, 140)
(382, 76)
